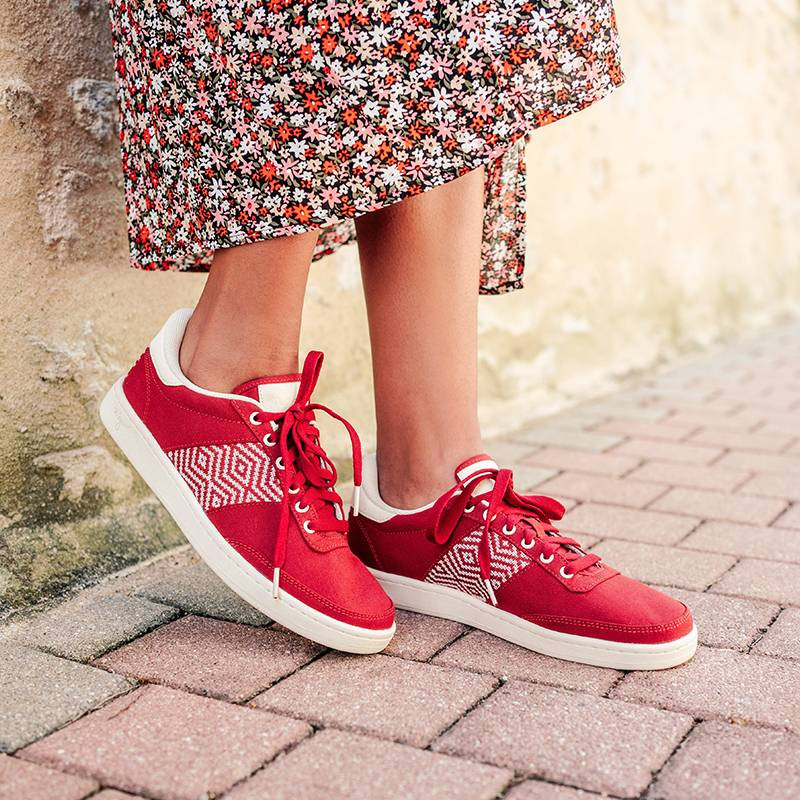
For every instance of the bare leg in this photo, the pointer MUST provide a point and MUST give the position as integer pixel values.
(420, 261)
(247, 321)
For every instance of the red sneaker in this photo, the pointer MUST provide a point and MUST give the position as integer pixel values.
(245, 478)
(486, 556)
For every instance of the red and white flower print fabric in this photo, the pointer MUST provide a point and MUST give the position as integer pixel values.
(246, 479)
(489, 557)
(243, 121)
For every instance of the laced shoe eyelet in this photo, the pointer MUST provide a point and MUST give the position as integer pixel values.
(528, 544)
(279, 463)
(299, 508)
(269, 441)
(546, 559)
(485, 511)
(468, 509)
(564, 574)
(307, 527)
(294, 491)
(254, 420)
(509, 531)
(273, 424)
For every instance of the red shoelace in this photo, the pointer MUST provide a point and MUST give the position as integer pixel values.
(505, 506)
(307, 474)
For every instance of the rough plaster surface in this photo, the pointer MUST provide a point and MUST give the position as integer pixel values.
(664, 218)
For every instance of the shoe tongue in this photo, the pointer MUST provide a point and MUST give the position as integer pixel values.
(473, 465)
(274, 393)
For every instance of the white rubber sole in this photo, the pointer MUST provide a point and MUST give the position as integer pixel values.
(147, 457)
(442, 601)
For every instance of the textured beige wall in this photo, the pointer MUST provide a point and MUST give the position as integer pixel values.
(664, 218)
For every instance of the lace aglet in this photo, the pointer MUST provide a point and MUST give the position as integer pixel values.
(276, 579)
(489, 589)
(356, 499)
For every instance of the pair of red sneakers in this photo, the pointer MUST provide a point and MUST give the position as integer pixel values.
(246, 479)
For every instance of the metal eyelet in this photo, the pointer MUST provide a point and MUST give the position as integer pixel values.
(564, 574)
(509, 531)
(528, 545)
(299, 508)
(279, 462)
(546, 559)
(269, 441)
(294, 491)
(307, 527)
(468, 509)
(254, 420)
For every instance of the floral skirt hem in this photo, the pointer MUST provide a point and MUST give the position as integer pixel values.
(224, 144)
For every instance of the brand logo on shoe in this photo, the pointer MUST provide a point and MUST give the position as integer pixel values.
(228, 474)
(458, 568)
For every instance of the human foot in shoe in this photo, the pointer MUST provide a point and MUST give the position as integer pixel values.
(245, 478)
(486, 556)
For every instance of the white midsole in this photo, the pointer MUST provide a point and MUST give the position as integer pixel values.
(443, 601)
(144, 452)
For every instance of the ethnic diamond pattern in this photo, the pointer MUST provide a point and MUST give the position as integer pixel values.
(458, 567)
(227, 474)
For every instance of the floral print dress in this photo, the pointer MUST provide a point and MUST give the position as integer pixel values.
(244, 120)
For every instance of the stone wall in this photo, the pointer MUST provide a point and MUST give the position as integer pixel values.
(665, 218)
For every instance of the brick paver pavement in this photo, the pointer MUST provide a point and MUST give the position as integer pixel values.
(161, 684)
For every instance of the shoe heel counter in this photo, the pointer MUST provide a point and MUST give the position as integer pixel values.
(360, 544)
(137, 385)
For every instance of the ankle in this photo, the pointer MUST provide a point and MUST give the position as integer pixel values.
(411, 482)
(208, 360)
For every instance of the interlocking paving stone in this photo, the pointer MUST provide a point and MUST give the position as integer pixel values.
(719, 505)
(408, 701)
(21, 780)
(527, 476)
(701, 418)
(738, 440)
(783, 637)
(418, 636)
(568, 737)
(721, 762)
(197, 590)
(760, 462)
(40, 692)
(209, 656)
(85, 628)
(721, 621)
(766, 580)
(507, 452)
(788, 423)
(690, 475)
(770, 484)
(628, 523)
(168, 745)
(670, 566)
(745, 540)
(601, 488)
(648, 430)
(335, 764)
(481, 652)
(541, 790)
(623, 408)
(722, 683)
(668, 451)
(583, 461)
(113, 794)
(791, 519)
(569, 437)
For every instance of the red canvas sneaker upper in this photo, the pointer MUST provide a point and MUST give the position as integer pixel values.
(484, 538)
(254, 462)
